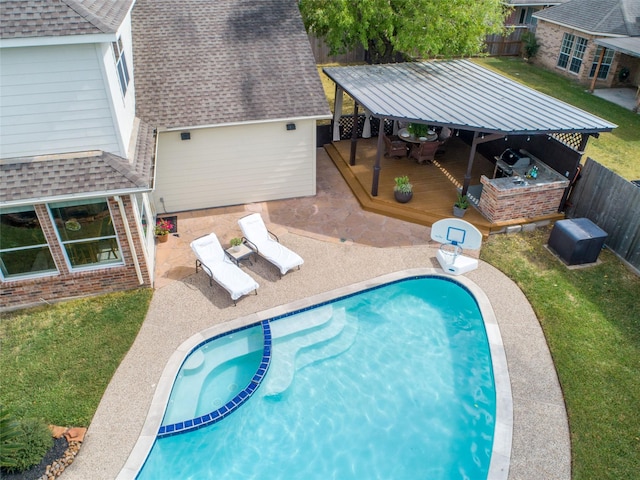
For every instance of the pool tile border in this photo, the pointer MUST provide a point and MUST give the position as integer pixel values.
(233, 404)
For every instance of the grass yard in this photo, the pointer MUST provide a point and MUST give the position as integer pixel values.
(591, 319)
(60, 358)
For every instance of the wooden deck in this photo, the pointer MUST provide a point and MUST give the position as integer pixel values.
(435, 186)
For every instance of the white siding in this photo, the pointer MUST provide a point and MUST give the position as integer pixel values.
(235, 165)
(54, 100)
(124, 108)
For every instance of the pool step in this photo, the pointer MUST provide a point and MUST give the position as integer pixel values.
(304, 321)
(296, 352)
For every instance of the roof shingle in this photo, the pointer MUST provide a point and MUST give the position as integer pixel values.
(83, 174)
(202, 62)
(605, 17)
(54, 18)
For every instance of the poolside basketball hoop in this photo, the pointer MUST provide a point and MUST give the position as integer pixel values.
(454, 235)
(449, 252)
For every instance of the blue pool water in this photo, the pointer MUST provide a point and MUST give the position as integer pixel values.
(391, 383)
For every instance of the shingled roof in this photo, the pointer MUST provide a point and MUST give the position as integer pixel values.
(598, 17)
(54, 18)
(203, 63)
(82, 174)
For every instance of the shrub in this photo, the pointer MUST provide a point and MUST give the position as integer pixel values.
(530, 45)
(29, 443)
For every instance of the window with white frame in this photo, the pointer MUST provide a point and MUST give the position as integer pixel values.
(578, 55)
(572, 52)
(605, 66)
(86, 233)
(24, 250)
(565, 50)
(121, 65)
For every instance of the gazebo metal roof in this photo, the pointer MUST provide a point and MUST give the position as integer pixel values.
(460, 94)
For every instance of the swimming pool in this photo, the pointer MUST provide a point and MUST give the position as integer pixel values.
(424, 390)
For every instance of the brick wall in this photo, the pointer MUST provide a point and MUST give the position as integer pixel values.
(67, 284)
(549, 38)
(499, 205)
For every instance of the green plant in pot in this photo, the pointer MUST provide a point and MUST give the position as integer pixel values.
(235, 243)
(418, 129)
(403, 190)
(461, 205)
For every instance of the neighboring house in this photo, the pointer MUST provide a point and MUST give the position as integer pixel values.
(234, 92)
(521, 20)
(569, 36)
(86, 128)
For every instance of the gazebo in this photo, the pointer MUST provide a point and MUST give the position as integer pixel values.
(464, 96)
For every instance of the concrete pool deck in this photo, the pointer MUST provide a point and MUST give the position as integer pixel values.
(341, 245)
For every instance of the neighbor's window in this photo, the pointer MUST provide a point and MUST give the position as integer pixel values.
(565, 50)
(86, 232)
(23, 247)
(578, 54)
(572, 52)
(526, 16)
(605, 66)
(121, 65)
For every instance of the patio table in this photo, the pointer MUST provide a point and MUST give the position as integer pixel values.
(404, 134)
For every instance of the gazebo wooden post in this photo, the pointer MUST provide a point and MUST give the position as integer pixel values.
(376, 166)
(467, 175)
(354, 134)
(337, 113)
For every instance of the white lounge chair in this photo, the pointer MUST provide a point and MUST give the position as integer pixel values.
(213, 260)
(267, 245)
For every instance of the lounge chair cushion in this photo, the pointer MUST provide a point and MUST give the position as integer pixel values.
(254, 230)
(220, 268)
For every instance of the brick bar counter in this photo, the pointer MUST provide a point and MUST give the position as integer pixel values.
(517, 197)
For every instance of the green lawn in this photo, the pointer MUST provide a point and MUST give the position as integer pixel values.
(591, 319)
(57, 360)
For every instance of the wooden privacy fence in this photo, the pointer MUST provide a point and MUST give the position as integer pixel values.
(612, 203)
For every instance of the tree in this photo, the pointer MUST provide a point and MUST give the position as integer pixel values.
(408, 28)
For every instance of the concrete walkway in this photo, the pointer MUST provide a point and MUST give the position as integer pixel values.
(341, 246)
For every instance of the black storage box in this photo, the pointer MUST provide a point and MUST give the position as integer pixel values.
(577, 241)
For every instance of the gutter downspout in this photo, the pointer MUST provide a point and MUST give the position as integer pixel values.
(127, 231)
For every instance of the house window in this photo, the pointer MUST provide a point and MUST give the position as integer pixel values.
(86, 232)
(526, 16)
(565, 50)
(605, 66)
(578, 55)
(23, 247)
(121, 65)
(572, 52)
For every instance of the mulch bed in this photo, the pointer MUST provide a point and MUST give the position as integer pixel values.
(60, 445)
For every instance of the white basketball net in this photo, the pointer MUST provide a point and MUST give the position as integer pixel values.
(450, 252)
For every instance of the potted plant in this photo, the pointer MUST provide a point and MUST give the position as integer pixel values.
(162, 229)
(461, 205)
(403, 191)
(417, 130)
(235, 244)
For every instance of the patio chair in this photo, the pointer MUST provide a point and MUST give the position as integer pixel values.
(267, 245)
(215, 263)
(424, 152)
(394, 147)
(443, 138)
